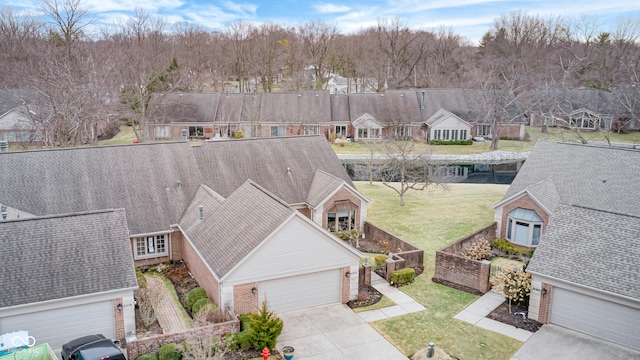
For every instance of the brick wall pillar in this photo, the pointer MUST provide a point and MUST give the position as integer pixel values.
(364, 275)
(391, 267)
(118, 318)
(545, 303)
(483, 277)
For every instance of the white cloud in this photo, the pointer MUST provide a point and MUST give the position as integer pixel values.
(325, 8)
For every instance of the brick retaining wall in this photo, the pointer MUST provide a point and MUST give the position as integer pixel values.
(452, 267)
(153, 343)
(412, 255)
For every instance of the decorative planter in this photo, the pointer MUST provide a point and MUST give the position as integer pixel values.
(287, 352)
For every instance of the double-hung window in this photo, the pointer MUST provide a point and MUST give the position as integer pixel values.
(311, 130)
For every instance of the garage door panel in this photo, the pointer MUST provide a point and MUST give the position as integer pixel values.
(596, 317)
(59, 326)
(302, 291)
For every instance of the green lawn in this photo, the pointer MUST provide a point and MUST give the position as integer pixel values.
(124, 136)
(534, 133)
(432, 219)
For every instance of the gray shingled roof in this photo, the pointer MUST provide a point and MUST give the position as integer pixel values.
(140, 178)
(597, 177)
(187, 107)
(63, 256)
(467, 104)
(323, 185)
(284, 166)
(392, 107)
(235, 226)
(565, 101)
(596, 249)
(340, 108)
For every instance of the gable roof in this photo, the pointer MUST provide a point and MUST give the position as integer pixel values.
(41, 256)
(592, 176)
(141, 178)
(235, 226)
(544, 193)
(227, 164)
(322, 186)
(592, 248)
(442, 115)
(565, 101)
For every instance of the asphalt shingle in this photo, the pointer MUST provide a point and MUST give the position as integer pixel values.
(54, 257)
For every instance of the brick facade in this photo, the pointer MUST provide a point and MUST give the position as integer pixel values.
(341, 195)
(201, 272)
(524, 202)
(346, 284)
(174, 246)
(545, 303)
(118, 318)
(244, 300)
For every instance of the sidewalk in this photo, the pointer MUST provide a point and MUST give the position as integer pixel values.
(405, 303)
(476, 314)
(167, 311)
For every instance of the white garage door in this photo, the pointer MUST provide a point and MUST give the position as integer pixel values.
(59, 326)
(302, 291)
(603, 319)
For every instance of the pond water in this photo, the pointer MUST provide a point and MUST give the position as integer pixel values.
(477, 173)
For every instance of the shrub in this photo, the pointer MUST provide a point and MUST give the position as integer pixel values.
(142, 281)
(169, 352)
(201, 304)
(210, 315)
(403, 276)
(238, 134)
(451, 142)
(479, 250)
(380, 259)
(265, 327)
(515, 286)
(194, 295)
(510, 248)
(148, 356)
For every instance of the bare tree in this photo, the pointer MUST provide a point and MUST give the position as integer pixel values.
(406, 167)
(202, 347)
(319, 41)
(70, 18)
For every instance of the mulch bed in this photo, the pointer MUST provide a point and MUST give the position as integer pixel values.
(502, 314)
(367, 296)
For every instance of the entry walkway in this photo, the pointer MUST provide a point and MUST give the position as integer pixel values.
(405, 303)
(477, 311)
(168, 313)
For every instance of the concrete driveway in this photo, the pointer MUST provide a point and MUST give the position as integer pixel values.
(333, 332)
(555, 342)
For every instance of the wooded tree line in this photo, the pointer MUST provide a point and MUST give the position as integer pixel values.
(76, 81)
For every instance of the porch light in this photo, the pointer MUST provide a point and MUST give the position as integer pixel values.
(348, 274)
(254, 290)
(119, 306)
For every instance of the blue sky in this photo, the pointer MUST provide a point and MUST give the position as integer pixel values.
(469, 18)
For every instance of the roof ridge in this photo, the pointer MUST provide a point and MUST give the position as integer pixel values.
(267, 192)
(64, 215)
(604, 211)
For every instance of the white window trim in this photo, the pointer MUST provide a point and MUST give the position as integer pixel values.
(532, 224)
(167, 239)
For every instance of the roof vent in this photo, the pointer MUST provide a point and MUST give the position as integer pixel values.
(288, 170)
(4, 146)
(254, 92)
(201, 211)
(179, 184)
(227, 93)
(604, 181)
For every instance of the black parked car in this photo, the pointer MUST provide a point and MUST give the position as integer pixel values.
(91, 347)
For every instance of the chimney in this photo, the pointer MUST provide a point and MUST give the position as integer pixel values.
(201, 210)
(422, 102)
(4, 146)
